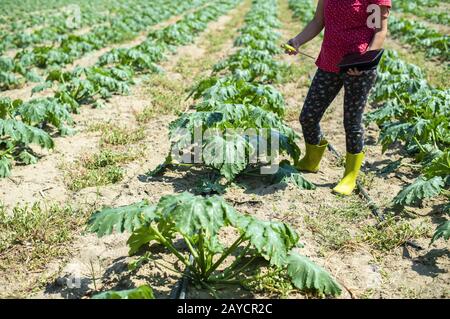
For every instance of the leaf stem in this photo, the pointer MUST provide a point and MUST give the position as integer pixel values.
(233, 265)
(225, 255)
(235, 273)
(169, 246)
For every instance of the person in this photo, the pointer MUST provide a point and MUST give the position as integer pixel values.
(350, 26)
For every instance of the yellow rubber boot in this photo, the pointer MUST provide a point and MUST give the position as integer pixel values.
(353, 164)
(311, 161)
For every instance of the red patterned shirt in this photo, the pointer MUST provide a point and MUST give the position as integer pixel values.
(346, 30)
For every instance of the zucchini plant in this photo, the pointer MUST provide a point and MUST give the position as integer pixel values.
(128, 24)
(22, 124)
(420, 36)
(413, 112)
(238, 112)
(113, 74)
(304, 10)
(417, 8)
(198, 221)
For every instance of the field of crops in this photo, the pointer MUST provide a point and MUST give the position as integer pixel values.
(107, 192)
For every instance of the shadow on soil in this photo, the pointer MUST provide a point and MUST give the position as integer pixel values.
(192, 179)
(426, 265)
(117, 276)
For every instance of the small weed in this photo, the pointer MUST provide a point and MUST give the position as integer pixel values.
(391, 233)
(333, 234)
(98, 177)
(367, 179)
(368, 294)
(122, 136)
(31, 235)
(190, 68)
(147, 114)
(108, 157)
(99, 169)
(117, 135)
(166, 94)
(354, 211)
(272, 282)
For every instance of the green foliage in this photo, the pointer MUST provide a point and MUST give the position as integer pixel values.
(31, 235)
(238, 111)
(273, 240)
(391, 233)
(416, 114)
(16, 136)
(288, 174)
(419, 190)
(120, 219)
(304, 10)
(306, 275)
(198, 221)
(443, 231)
(420, 36)
(418, 9)
(125, 23)
(95, 84)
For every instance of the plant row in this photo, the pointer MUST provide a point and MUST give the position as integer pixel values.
(124, 26)
(239, 113)
(420, 36)
(418, 9)
(56, 26)
(303, 10)
(26, 123)
(29, 15)
(198, 222)
(416, 114)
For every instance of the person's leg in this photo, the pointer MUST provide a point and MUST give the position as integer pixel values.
(357, 89)
(324, 88)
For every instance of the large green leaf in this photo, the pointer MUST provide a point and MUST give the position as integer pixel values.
(27, 158)
(226, 153)
(194, 214)
(306, 275)
(140, 237)
(288, 174)
(142, 292)
(419, 190)
(440, 166)
(5, 167)
(272, 239)
(120, 219)
(443, 231)
(19, 132)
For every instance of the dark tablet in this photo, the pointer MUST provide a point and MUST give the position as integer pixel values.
(366, 61)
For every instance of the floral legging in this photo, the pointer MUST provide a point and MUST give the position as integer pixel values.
(324, 88)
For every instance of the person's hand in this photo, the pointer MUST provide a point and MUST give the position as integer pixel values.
(354, 72)
(293, 44)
